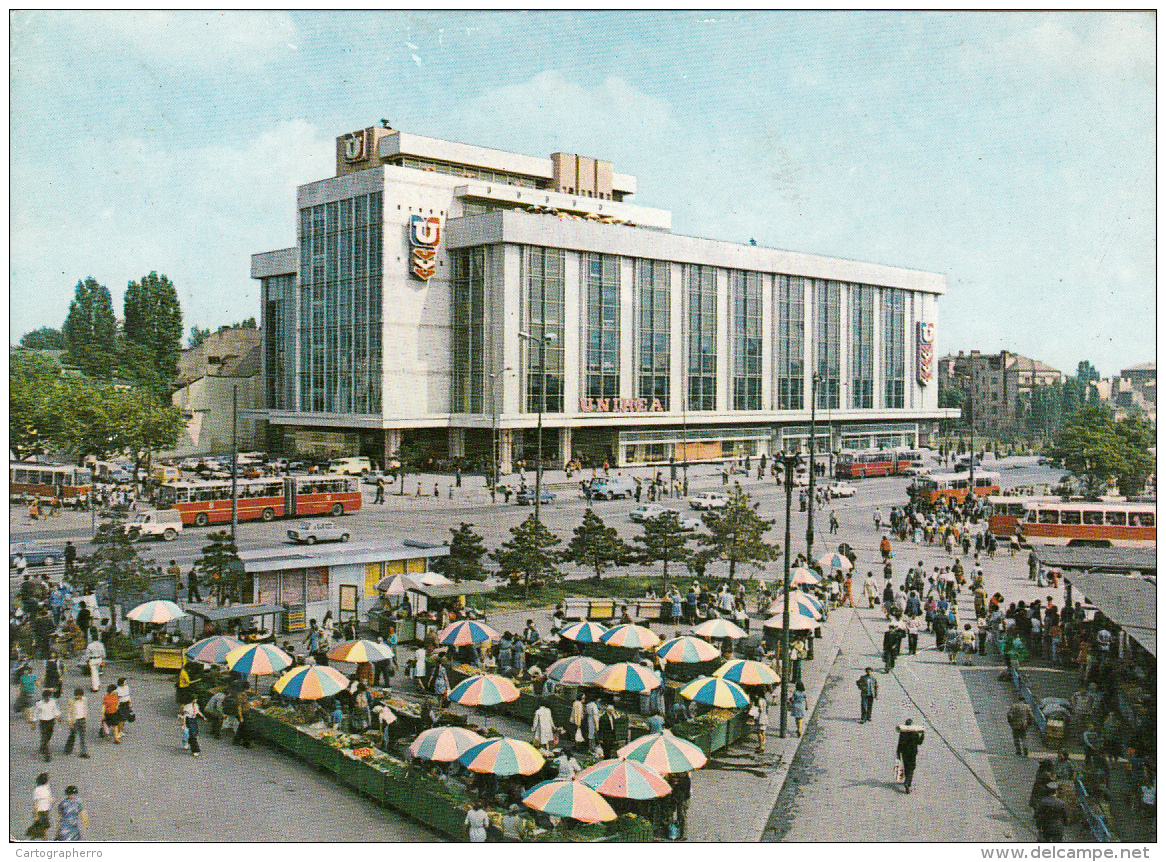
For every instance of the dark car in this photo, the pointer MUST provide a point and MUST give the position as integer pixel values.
(526, 497)
(35, 555)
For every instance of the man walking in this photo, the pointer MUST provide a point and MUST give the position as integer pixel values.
(78, 713)
(910, 738)
(70, 559)
(1020, 720)
(1051, 815)
(380, 497)
(868, 690)
(890, 647)
(192, 593)
(45, 714)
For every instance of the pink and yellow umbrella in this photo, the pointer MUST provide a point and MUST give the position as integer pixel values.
(747, 672)
(630, 636)
(444, 744)
(687, 649)
(625, 676)
(563, 798)
(360, 651)
(664, 753)
(584, 632)
(212, 650)
(502, 756)
(576, 670)
(719, 629)
(484, 689)
(466, 633)
(802, 575)
(624, 779)
(259, 659)
(311, 683)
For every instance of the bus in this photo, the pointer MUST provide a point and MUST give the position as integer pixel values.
(63, 481)
(1084, 524)
(1006, 512)
(954, 486)
(209, 502)
(882, 462)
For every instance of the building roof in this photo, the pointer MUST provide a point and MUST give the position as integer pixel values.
(1023, 363)
(1130, 602)
(1145, 366)
(345, 554)
(1122, 560)
(235, 612)
(445, 591)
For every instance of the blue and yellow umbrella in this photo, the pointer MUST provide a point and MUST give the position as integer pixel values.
(360, 651)
(502, 756)
(576, 670)
(720, 628)
(624, 779)
(584, 632)
(466, 633)
(258, 659)
(444, 744)
(484, 689)
(212, 650)
(798, 604)
(625, 676)
(311, 683)
(664, 753)
(630, 636)
(161, 611)
(715, 691)
(747, 672)
(687, 649)
(563, 798)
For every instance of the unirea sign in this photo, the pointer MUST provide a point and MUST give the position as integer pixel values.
(424, 235)
(924, 351)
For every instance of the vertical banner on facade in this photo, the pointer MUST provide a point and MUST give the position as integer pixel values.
(424, 235)
(924, 351)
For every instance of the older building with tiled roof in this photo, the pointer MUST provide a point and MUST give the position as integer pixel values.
(1000, 384)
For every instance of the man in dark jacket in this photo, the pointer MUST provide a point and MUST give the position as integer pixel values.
(1051, 815)
(43, 628)
(1020, 720)
(868, 690)
(890, 645)
(910, 738)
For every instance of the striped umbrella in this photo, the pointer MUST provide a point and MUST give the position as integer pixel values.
(664, 753)
(576, 670)
(802, 575)
(160, 611)
(797, 605)
(625, 676)
(624, 779)
(465, 633)
(747, 672)
(715, 691)
(797, 622)
(687, 649)
(584, 632)
(257, 659)
(631, 636)
(719, 629)
(444, 744)
(360, 651)
(835, 561)
(563, 798)
(483, 689)
(311, 683)
(502, 756)
(212, 650)
(395, 585)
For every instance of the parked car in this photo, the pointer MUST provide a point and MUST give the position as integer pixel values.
(526, 497)
(310, 532)
(690, 523)
(612, 487)
(370, 478)
(840, 489)
(649, 510)
(163, 524)
(35, 555)
(350, 466)
(709, 500)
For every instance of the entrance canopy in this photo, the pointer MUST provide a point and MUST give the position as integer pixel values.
(1128, 601)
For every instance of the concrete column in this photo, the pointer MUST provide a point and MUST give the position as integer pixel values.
(768, 328)
(392, 442)
(724, 343)
(574, 319)
(505, 451)
(627, 328)
(564, 444)
(677, 354)
(457, 442)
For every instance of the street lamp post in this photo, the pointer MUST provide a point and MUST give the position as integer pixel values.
(542, 398)
(813, 428)
(789, 463)
(494, 375)
(234, 462)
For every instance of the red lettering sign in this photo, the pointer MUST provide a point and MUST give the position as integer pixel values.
(620, 405)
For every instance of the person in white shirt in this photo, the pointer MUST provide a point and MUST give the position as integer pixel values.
(46, 712)
(568, 765)
(42, 804)
(543, 726)
(419, 668)
(78, 714)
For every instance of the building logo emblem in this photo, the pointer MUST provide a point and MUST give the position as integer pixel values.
(924, 351)
(354, 146)
(424, 235)
(620, 405)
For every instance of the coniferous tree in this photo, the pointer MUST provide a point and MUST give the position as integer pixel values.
(596, 546)
(90, 329)
(737, 534)
(153, 319)
(464, 562)
(529, 552)
(663, 540)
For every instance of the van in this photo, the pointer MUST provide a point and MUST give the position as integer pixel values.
(164, 524)
(352, 466)
(160, 474)
(612, 487)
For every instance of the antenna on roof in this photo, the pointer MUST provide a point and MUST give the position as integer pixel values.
(385, 123)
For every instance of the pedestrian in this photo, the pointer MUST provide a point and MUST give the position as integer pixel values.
(1020, 720)
(111, 724)
(878, 519)
(910, 738)
(798, 704)
(890, 642)
(71, 812)
(833, 521)
(215, 713)
(681, 793)
(760, 713)
(606, 731)
(189, 715)
(913, 634)
(45, 713)
(21, 565)
(125, 710)
(868, 690)
(43, 628)
(42, 804)
(575, 725)
(436, 490)
(78, 713)
(237, 709)
(591, 723)
(871, 588)
(70, 559)
(477, 820)
(543, 727)
(380, 497)
(192, 593)
(54, 669)
(1051, 815)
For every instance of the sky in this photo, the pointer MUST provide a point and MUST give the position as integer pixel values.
(1012, 152)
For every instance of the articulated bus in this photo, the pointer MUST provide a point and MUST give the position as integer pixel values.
(1005, 513)
(63, 481)
(202, 503)
(859, 465)
(1080, 523)
(954, 486)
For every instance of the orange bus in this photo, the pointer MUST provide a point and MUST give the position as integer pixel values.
(202, 503)
(1007, 512)
(1081, 523)
(63, 481)
(883, 462)
(954, 486)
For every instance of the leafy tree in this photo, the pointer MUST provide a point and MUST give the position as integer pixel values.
(91, 329)
(464, 562)
(409, 456)
(135, 362)
(596, 546)
(197, 336)
(662, 540)
(45, 338)
(529, 552)
(249, 323)
(153, 318)
(99, 419)
(737, 534)
(115, 564)
(955, 397)
(1072, 398)
(218, 567)
(34, 403)
(1136, 438)
(1090, 449)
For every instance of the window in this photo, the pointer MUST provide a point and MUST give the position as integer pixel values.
(862, 346)
(745, 292)
(894, 347)
(543, 276)
(1145, 519)
(1114, 519)
(1048, 516)
(279, 340)
(790, 372)
(653, 287)
(1071, 517)
(827, 365)
(467, 375)
(701, 294)
(601, 272)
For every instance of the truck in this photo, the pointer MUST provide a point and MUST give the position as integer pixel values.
(163, 524)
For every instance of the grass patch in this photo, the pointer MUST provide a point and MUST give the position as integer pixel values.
(611, 587)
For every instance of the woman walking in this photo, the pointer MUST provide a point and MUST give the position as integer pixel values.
(71, 810)
(797, 705)
(190, 715)
(125, 711)
(111, 719)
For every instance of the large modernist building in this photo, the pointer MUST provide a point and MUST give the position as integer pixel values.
(440, 294)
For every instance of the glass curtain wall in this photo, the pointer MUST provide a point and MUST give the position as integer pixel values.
(653, 285)
(543, 277)
(791, 327)
(862, 346)
(279, 340)
(827, 314)
(701, 293)
(894, 346)
(602, 284)
(340, 308)
(745, 290)
(468, 316)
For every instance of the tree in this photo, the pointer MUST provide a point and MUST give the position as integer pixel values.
(135, 362)
(737, 534)
(596, 546)
(91, 329)
(197, 336)
(45, 338)
(1090, 449)
(153, 318)
(408, 456)
(663, 540)
(115, 564)
(1136, 438)
(218, 567)
(464, 562)
(99, 419)
(34, 403)
(529, 552)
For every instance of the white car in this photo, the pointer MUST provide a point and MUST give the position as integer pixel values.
(310, 532)
(709, 500)
(649, 510)
(840, 489)
(689, 523)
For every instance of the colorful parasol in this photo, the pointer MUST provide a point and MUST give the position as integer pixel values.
(802, 575)
(625, 676)
(396, 585)
(444, 744)
(664, 753)
(631, 636)
(719, 629)
(502, 756)
(311, 683)
(212, 650)
(584, 632)
(797, 622)
(160, 611)
(624, 779)
(576, 670)
(687, 649)
(360, 651)
(484, 689)
(466, 633)
(747, 672)
(563, 798)
(715, 691)
(259, 659)
(798, 604)
(835, 561)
